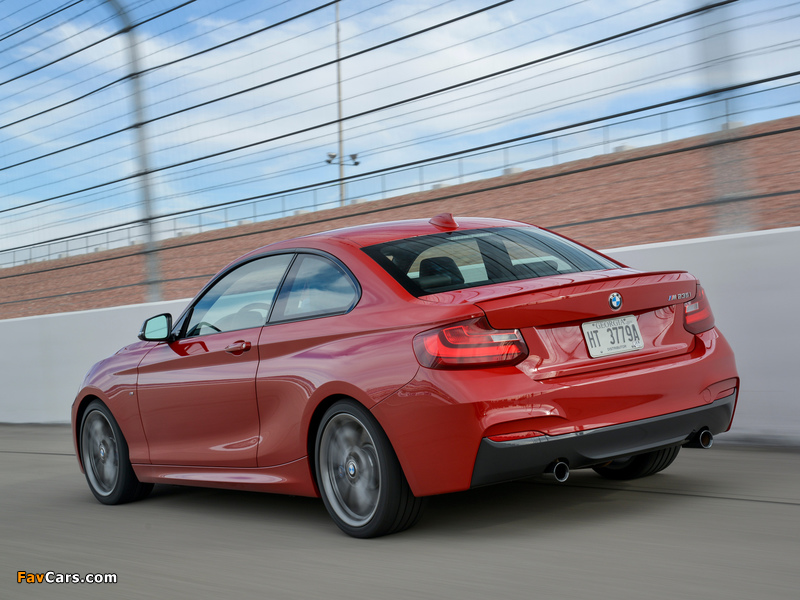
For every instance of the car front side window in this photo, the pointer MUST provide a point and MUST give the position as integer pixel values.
(241, 299)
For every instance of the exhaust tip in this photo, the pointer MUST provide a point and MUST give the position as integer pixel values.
(559, 471)
(702, 439)
(705, 439)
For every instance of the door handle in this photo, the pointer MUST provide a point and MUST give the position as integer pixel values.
(238, 348)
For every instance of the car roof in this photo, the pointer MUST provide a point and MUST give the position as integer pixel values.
(376, 233)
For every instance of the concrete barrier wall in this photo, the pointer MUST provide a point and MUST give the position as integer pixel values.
(753, 282)
(43, 359)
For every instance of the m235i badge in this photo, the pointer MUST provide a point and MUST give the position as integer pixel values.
(682, 296)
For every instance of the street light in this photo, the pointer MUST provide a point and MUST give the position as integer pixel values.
(333, 159)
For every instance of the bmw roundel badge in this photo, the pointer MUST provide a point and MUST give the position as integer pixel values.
(615, 301)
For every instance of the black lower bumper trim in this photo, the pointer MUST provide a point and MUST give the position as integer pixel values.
(506, 461)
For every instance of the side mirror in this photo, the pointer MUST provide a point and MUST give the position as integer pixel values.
(157, 329)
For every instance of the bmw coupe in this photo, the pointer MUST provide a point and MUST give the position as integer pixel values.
(374, 366)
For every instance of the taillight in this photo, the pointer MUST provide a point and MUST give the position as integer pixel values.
(697, 315)
(469, 344)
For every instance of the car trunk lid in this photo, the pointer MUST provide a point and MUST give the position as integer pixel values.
(550, 312)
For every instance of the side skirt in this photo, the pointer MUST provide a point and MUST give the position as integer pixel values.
(292, 478)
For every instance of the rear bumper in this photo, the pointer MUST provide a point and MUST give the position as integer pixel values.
(505, 461)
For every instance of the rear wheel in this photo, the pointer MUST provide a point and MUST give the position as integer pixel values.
(359, 476)
(640, 465)
(104, 454)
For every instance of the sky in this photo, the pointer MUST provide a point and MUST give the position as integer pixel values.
(240, 99)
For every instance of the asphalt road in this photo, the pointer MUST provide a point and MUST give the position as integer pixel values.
(719, 523)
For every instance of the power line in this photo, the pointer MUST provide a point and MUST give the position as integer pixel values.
(101, 137)
(172, 80)
(431, 159)
(369, 111)
(431, 74)
(527, 181)
(240, 92)
(92, 45)
(261, 106)
(63, 40)
(239, 38)
(24, 7)
(39, 20)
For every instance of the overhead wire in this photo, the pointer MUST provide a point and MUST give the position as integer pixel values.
(238, 93)
(470, 192)
(416, 78)
(34, 22)
(451, 154)
(89, 46)
(497, 144)
(375, 109)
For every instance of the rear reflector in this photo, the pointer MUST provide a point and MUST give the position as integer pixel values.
(468, 344)
(513, 437)
(697, 313)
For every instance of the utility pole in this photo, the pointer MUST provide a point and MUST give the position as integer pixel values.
(339, 109)
(730, 168)
(332, 157)
(152, 279)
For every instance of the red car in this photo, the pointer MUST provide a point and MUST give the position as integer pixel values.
(376, 365)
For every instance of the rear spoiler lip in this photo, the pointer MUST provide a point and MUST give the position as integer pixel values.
(478, 295)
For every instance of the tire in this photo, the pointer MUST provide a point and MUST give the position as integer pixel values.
(104, 456)
(638, 466)
(358, 474)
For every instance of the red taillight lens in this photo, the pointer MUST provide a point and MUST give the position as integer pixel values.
(697, 315)
(469, 344)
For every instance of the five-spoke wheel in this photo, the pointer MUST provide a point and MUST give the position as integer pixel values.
(359, 476)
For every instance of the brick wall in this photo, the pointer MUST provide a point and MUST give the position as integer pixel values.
(613, 200)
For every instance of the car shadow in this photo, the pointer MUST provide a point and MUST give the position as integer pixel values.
(520, 507)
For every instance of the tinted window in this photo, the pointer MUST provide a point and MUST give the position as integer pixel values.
(315, 287)
(463, 259)
(241, 299)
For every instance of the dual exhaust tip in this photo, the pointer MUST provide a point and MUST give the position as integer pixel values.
(559, 470)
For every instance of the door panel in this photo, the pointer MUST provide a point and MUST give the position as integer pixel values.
(198, 403)
(197, 395)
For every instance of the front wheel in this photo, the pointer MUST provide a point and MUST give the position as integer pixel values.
(104, 454)
(359, 476)
(641, 465)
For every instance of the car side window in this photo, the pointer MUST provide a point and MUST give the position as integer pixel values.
(316, 286)
(241, 299)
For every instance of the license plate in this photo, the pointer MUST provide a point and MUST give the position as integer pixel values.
(612, 336)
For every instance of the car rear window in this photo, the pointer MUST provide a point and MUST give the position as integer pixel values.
(462, 259)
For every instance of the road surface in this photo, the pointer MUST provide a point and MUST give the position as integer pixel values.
(719, 523)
